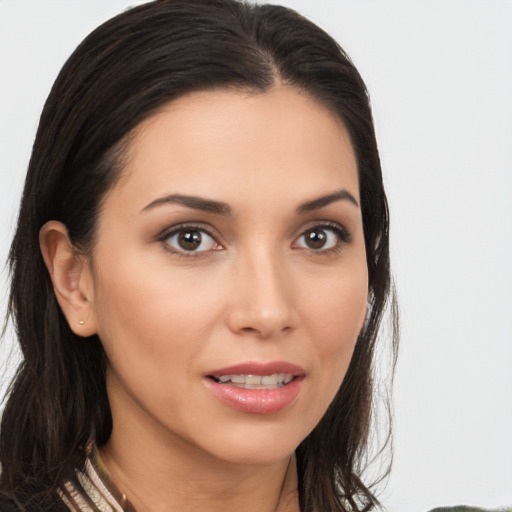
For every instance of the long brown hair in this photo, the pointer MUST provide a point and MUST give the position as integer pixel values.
(118, 76)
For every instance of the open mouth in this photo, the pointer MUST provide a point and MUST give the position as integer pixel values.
(247, 381)
(257, 388)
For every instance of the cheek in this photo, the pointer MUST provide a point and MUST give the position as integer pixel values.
(336, 317)
(146, 313)
(339, 311)
(149, 326)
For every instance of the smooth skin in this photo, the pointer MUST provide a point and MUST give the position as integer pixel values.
(176, 288)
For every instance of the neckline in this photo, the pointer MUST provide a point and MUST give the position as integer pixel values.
(96, 492)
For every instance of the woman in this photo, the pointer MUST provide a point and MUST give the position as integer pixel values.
(199, 271)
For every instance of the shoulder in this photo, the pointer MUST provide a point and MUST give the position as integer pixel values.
(9, 504)
(468, 509)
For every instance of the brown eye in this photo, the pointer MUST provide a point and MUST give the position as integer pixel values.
(315, 238)
(323, 238)
(191, 240)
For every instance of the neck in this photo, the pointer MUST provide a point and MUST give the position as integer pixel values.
(158, 478)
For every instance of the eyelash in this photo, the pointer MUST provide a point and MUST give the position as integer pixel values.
(342, 235)
(183, 228)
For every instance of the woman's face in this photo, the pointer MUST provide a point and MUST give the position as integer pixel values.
(228, 283)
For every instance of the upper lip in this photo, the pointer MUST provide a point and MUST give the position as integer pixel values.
(258, 368)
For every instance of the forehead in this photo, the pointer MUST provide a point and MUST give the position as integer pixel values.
(230, 141)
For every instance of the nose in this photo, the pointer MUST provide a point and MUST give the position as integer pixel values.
(262, 298)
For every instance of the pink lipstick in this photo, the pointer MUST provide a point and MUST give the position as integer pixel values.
(257, 388)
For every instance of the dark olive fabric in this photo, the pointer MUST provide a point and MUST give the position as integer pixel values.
(463, 508)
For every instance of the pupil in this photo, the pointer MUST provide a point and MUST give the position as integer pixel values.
(189, 240)
(316, 239)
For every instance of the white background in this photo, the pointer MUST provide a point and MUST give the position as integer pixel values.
(440, 78)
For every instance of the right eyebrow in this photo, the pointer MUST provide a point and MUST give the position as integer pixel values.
(194, 202)
(322, 202)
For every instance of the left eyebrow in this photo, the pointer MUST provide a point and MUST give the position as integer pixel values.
(321, 202)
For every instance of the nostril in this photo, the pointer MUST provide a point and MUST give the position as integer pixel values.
(264, 331)
(250, 330)
(259, 316)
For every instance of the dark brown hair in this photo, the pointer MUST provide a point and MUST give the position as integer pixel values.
(119, 75)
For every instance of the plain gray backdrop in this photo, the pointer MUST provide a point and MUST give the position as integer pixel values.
(440, 79)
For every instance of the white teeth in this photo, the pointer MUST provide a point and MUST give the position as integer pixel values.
(270, 380)
(276, 380)
(252, 379)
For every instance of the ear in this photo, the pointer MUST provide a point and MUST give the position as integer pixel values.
(71, 277)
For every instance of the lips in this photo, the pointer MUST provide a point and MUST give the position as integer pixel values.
(257, 388)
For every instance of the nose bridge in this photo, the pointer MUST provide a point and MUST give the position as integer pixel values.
(262, 301)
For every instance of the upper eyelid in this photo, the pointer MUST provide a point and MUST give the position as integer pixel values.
(212, 232)
(327, 224)
(166, 233)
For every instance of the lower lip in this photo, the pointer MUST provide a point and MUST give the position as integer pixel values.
(256, 401)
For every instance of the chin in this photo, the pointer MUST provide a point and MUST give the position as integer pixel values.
(257, 456)
(257, 446)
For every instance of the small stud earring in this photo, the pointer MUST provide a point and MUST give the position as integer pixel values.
(81, 322)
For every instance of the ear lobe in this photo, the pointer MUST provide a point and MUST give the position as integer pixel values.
(71, 277)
